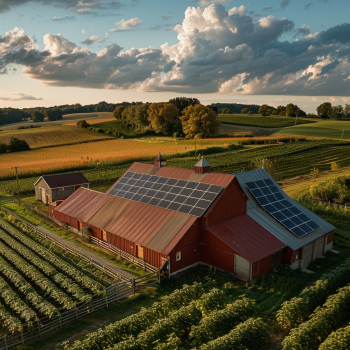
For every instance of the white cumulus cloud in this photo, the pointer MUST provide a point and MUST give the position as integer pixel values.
(18, 96)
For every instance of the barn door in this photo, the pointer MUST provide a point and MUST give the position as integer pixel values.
(43, 195)
(139, 251)
(319, 247)
(104, 235)
(307, 254)
(242, 267)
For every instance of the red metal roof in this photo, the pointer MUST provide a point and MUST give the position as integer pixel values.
(152, 227)
(181, 174)
(248, 238)
(64, 180)
(81, 204)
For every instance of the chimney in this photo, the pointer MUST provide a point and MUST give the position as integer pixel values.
(159, 161)
(202, 166)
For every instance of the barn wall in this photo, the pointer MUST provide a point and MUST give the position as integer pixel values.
(41, 184)
(61, 195)
(72, 222)
(261, 267)
(189, 248)
(289, 256)
(329, 242)
(216, 253)
(230, 204)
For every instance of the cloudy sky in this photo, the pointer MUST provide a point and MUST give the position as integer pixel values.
(54, 52)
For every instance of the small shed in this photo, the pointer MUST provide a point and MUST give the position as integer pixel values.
(51, 188)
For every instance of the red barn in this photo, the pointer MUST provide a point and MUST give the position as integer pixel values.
(181, 218)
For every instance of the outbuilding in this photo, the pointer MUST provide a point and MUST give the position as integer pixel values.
(52, 188)
(184, 217)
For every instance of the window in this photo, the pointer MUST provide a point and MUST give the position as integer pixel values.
(178, 256)
(163, 163)
(61, 189)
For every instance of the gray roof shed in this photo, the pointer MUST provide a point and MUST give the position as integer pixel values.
(255, 211)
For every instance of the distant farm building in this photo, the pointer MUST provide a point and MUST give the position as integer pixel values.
(51, 188)
(179, 218)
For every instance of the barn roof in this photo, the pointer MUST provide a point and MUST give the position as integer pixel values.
(181, 174)
(247, 238)
(255, 211)
(64, 180)
(152, 227)
(81, 204)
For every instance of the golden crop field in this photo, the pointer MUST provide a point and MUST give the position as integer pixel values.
(63, 158)
(52, 135)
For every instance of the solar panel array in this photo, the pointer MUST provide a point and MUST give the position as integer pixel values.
(272, 200)
(187, 197)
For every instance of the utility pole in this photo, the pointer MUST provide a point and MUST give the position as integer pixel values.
(342, 134)
(195, 146)
(296, 119)
(19, 199)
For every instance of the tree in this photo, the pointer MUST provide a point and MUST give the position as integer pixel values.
(3, 147)
(250, 112)
(136, 116)
(16, 145)
(244, 111)
(53, 114)
(280, 110)
(183, 102)
(164, 118)
(118, 112)
(264, 110)
(291, 110)
(347, 110)
(337, 111)
(300, 113)
(226, 111)
(199, 121)
(37, 116)
(82, 123)
(324, 110)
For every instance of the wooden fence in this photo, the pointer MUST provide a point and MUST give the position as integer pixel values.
(113, 249)
(121, 290)
(45, 326)
(60, 242)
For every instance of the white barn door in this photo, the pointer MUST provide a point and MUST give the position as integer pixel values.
(242, 267)
(43, 195)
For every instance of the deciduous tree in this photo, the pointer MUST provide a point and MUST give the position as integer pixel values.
(199, 121)
(338, 111)
(37, 116)
(118, 112)
(226, 111)
(264, 110)
(183, 102)
(16, 145)
(324, 109)
(245, 111)
(164, 117)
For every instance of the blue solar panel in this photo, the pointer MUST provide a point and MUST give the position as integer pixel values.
(274, 202)
(187, 197)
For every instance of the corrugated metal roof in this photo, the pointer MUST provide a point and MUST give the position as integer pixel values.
(152, 227)
(247, 238)
(180, 174)
(81, 204)
(255, 211)
(64, 180)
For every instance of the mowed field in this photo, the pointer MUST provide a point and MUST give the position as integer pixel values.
(92, 118)
(325, 128)
(262, 122)
(52, 135)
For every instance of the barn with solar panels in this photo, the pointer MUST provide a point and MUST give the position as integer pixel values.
(178, 218)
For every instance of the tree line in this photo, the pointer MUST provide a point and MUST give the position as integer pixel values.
(177, 117)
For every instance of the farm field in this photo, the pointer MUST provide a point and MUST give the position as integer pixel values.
(324, 128)
(234, 130)
(259, 121)
(83, 156)
(286, 161)
(52, 135)
(67, 119)
(37, 281)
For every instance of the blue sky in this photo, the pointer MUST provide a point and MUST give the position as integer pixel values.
(272, 51)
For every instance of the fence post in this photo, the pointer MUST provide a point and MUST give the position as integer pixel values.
(158, 276)
(22, 337)
(133, 286)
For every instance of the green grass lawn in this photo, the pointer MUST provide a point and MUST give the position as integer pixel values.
(324, 128)
(259, 121)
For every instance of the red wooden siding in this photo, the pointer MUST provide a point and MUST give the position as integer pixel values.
(290, 256)
(230, 204)
(216, 253)
(330, 237)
